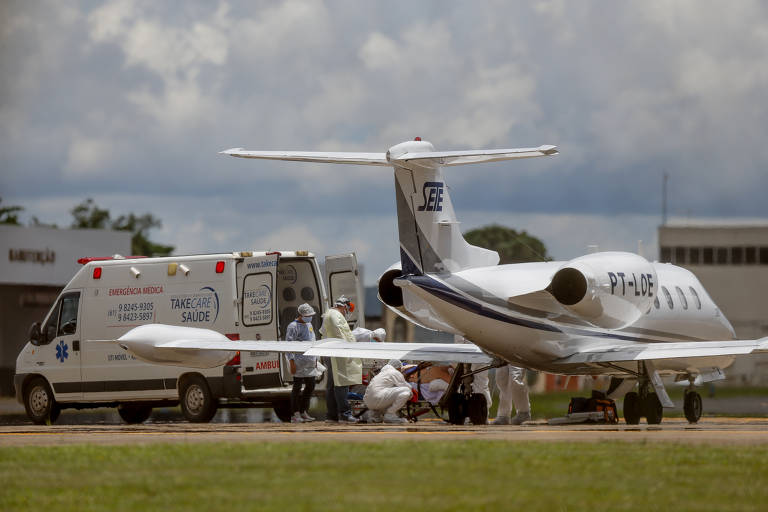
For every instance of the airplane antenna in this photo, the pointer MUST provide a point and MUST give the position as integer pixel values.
(664, 199)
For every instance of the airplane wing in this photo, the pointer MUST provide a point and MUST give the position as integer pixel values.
(339, 157)
(448, 158)
(599, 353)
(203, 348)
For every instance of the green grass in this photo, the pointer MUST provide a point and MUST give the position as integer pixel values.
(387, 475)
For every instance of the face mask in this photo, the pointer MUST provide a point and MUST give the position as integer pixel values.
(306, 319)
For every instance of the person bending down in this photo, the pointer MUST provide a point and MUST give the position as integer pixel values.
(387, 393)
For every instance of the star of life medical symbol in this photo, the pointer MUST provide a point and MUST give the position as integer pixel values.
(61, 351)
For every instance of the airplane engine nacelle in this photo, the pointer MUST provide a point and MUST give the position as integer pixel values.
(392, 295)
(610, 290)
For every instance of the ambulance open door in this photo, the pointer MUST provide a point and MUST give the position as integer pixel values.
(256, 283)
(343, 278)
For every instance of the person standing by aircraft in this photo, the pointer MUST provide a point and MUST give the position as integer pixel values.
(387, 393)
(510, 381)
(344, 372)
(303, 368)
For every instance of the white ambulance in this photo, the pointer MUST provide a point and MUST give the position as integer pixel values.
(69, 361)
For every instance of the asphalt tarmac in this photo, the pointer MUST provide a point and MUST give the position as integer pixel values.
(707, 431)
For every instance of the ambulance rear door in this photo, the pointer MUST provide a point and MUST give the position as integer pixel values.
(256, 280)
(343, 278)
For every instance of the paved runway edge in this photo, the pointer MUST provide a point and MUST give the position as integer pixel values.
(710, 430)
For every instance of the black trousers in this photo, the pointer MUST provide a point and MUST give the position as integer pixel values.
(299, 399)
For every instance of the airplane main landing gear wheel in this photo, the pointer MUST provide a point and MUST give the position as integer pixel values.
(134, 414)
(652, 409)
(632, 412)
(478, 409)
(692, 406)
(456, 409)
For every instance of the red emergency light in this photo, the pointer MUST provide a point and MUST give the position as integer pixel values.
(219, 267)
(97, 272)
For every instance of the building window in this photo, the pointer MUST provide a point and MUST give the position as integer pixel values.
(695, 297)
(737, 255)
(683, 300)
(764, 255)
(668, 297)
(722, 255)
(694, 255)
(666, 255)
(750, 255)
(707, 255)
(680, 256)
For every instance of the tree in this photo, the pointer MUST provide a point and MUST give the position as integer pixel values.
(512, 246)
(9, 214)
(88, 215)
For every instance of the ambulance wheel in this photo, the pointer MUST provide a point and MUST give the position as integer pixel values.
(282, 410)
(652, 409)
(478, 409)
(197, 402)
(692, 406)
(39, 403)
(632, 412)
(134, 413)
(456, 409)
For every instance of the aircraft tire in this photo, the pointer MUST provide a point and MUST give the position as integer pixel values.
(632, 412)
(456, 413)
(282, 410)
(478, 409)
(134, 414)
(197, 402)
(39, 402)
(652, 409)
(692, 406)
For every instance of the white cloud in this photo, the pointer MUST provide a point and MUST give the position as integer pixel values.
(88, 156)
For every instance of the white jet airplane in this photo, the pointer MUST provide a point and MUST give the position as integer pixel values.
(610, 313)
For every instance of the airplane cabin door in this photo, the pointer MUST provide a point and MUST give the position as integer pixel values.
(343, 278)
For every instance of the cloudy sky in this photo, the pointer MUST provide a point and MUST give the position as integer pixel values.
(129, 102)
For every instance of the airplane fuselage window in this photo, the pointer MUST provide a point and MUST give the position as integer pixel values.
(683, 300)
(656, 302)
(695, 297)
(668, 297)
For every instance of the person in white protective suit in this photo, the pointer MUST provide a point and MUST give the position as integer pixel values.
(387, 393)
(344, 372)
(510, 381)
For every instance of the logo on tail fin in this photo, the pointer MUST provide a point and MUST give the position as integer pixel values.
(433, 200)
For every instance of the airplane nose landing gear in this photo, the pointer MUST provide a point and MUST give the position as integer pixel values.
(692, 406)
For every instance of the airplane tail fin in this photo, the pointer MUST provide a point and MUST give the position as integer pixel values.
(430, 238)
(430, 235)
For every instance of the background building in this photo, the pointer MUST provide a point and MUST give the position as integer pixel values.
(35, 265)
(732, 264)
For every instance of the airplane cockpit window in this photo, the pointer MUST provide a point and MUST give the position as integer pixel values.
(668, 297)
(695, 296)
(683, 300)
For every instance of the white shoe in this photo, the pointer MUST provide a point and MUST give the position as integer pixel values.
(501, 420)
(394, 418)
(521, 417)
(374, 417)
(306, 417)
(296, 418)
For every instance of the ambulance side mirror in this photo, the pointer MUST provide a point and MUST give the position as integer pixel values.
(34, 333)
